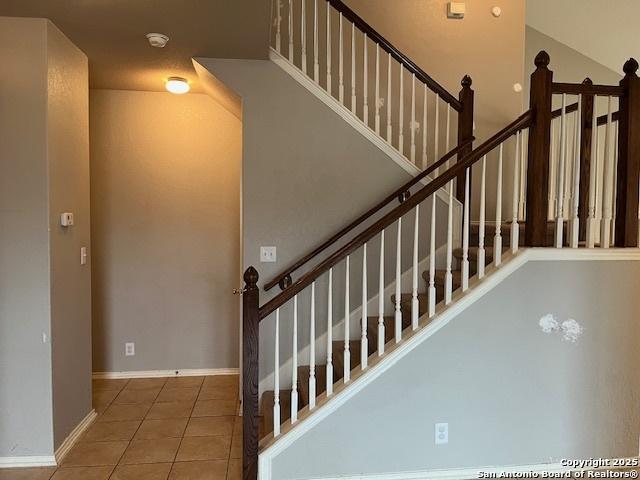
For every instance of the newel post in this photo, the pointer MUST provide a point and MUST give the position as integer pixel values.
(250, 331)
(538, 161)
(465, 128)
(586, 128)
(628, 158)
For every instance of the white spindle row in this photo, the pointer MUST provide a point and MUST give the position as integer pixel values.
(315, 31)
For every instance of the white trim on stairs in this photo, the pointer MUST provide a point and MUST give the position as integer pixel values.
(461, 301)
(73, 437)
(28, 461)
(192, 372)
(348, 116)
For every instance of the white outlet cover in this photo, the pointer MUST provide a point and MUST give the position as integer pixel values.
(267, 254)
(442, 433)
(129, 349)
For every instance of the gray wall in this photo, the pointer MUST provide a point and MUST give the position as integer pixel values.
(165, 192)
(511, 394)
(306, 174)
(25, 360)
(44, 293)
(68, 152)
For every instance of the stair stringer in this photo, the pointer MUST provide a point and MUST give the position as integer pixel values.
(271, 447)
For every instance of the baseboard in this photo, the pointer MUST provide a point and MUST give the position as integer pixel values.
(533, 471)
(189, 372)
(73, 437)
(28, 461)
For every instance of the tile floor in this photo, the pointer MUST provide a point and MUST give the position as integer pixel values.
(182, 428)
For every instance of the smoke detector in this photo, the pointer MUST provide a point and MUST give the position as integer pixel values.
(157, 40)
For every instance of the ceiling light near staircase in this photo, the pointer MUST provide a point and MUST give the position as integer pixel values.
(177, 85)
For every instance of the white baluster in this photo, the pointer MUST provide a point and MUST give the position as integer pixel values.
(448, 134)
(483, 184)
(497, 240)
(377, 105)
(278, 27)
(328, 48)
(398, 309)
(436, 136)
(575, 221)
(448, 277)
(312, 349)
(413, 118)
(316, 64)
(389, 129)
(330, 334)
(401, 113)
(523, 172)
(415, 304)
(515, 228)
(347, 313)
(381, 298)
(561, 166)
(353, 68)
(303, 34)
(294, 373)
(465, 235)
(365, 83)
(607, 187)
(553, 167)
(615, 191)
(291, 31)
(424, 127)
(593, 169)
(364, 341)
(432, 259)
(276, 379)
(341, 61)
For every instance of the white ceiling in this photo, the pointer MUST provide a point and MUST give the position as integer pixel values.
(112, 35)
(604, 30)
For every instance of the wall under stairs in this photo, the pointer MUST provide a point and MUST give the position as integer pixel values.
(510, 393)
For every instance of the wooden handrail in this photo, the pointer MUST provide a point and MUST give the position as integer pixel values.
(587, 89)
(404, 188)
(521, 122)
(388, 47)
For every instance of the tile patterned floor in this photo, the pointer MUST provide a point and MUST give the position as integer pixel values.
(182, 428)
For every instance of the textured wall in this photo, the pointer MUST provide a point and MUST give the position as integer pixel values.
(165, 193)
(512, 395)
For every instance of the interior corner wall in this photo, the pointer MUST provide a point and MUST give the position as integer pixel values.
(25, 359)
(165, 196)
(68, 160)
(44, 294)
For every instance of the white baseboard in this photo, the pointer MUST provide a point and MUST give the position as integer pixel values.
(73, 437)
(28, 461)
(189, 372)
(535, 471)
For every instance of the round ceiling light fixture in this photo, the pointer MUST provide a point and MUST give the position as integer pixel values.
(177, 85)
(158, 40)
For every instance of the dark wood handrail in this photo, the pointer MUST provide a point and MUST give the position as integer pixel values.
(388, 47)
(587, 89)
(460, 167)
(269, 285)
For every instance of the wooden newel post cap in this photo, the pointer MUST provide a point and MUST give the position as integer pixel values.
(630, 67)
(251, 277)
(466, 82)
(542, 59)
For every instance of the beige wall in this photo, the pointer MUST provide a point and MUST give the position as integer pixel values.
(45, 385)
(165, 192)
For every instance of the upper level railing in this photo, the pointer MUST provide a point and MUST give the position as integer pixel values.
(362, 70)
(326, 291)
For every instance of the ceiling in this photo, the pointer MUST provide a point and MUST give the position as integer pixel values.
(112, 34)
(603, 30)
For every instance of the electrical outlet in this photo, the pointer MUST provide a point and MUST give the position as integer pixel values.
(129, 349)
(442, 433)
(267, 254)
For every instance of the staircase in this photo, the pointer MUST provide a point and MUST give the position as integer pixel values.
(559, 198)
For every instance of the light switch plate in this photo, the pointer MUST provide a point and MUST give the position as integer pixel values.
(66, 219)
(129, 349)
(456, 10)
(267, 254)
